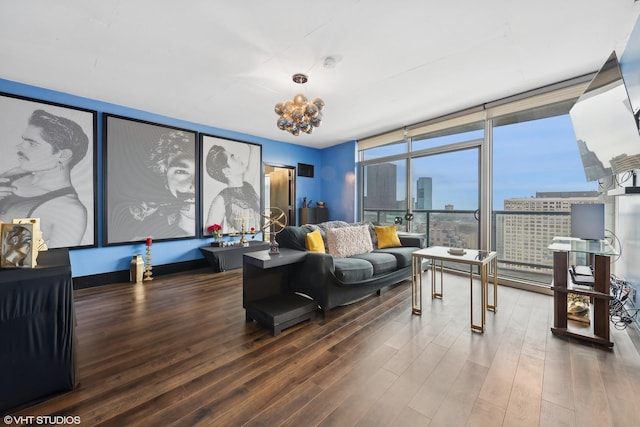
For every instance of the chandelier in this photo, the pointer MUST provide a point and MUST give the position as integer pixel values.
(300, 114)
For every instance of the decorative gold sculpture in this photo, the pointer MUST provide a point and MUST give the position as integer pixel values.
(275, 222)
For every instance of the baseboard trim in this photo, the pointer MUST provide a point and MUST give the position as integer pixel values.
(83, 282)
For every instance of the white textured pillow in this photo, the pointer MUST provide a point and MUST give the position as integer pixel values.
(346, 241)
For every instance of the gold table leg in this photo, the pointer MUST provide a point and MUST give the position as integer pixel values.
(494, 307)
(416, 286)
(434, 269)
(477, 328)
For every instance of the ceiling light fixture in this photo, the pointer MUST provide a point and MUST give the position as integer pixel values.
(300, 114)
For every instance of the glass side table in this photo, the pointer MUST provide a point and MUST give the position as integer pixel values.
(598, 251)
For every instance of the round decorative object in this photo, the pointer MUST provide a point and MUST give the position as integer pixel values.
(299, 99)
(275, 220)
(311, 110)
(318, 103)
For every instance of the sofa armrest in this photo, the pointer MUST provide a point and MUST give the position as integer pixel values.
(313, 275)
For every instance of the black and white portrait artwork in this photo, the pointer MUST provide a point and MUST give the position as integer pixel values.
(231, 184)
(47, 168)
(150, 181)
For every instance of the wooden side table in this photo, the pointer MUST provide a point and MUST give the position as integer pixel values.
(265, 291)
(598, 330)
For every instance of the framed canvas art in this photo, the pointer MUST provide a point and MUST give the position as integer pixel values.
(150, 181)
(231, 185)
(18, 248)
(48, 168)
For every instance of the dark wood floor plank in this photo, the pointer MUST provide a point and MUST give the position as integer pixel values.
(178, 351)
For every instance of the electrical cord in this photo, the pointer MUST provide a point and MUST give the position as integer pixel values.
(614, 241)
(621, 316)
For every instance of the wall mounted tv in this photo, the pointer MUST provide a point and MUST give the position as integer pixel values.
(604, 124)
(630, 67)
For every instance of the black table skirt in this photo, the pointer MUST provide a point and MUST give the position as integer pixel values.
(37, 327)
(230, 257)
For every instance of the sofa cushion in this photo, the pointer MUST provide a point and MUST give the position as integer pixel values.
(292, 237)
(381, 262)
(387, 236)
(350, 270)
(313, 242)
(346, 241)
(402, 254)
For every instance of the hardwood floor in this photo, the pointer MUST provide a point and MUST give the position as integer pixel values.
(177, 351)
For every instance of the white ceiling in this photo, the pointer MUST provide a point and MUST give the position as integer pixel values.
(226, 64)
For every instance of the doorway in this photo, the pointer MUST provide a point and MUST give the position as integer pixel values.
(280, 189)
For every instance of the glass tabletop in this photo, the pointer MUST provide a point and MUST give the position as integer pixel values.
(468, 256)
(573, 244)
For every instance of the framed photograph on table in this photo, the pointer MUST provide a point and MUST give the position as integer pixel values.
(18, 246)
(150, 181)
(232, 177)
(48, 168)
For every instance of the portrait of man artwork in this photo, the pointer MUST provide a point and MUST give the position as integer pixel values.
(47, 169)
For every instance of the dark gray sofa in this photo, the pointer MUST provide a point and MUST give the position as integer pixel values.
(332, 282)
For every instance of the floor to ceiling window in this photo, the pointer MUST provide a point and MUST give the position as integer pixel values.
(503, 176)
(537, 175)
(445, 197)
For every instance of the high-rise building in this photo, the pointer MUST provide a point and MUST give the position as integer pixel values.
(381, 187)
(525, 236)
(424, 193)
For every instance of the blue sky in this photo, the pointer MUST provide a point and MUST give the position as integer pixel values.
(529, 157)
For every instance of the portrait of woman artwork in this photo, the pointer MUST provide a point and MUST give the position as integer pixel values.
(47, 169)
(151, 181)
(231, 185)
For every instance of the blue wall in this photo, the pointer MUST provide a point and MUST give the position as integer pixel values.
(89, 261)
(338, 176)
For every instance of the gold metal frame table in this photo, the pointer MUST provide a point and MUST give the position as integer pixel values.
(437, 255)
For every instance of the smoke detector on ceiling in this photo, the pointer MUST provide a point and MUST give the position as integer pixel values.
(331, 61)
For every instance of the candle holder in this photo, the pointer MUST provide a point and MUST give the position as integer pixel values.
(147, 263)
(243, 239)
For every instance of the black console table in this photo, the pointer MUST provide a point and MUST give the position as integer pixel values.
(223, 258)
(313, 215)
(37, 330)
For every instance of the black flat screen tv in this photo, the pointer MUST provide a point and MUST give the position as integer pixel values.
(604, 125)
(587, 221)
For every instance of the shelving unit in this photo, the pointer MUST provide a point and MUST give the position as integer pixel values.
(313, 215)
(597, 331)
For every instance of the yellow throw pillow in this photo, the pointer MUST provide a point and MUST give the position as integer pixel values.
(313, 242)
(387, 236)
